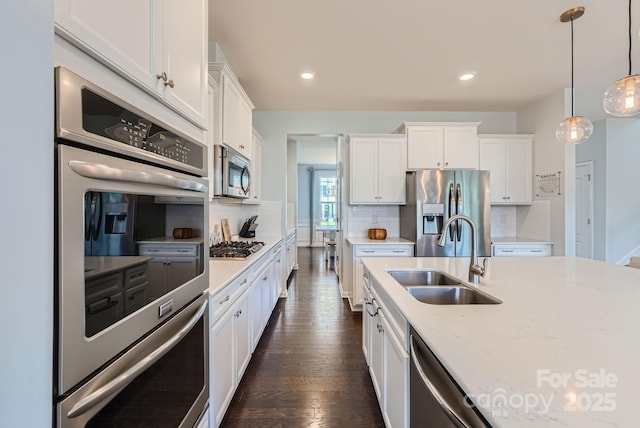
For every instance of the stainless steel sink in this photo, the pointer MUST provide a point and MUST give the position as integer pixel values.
(439, 288)
(423, 277)
(451, 295)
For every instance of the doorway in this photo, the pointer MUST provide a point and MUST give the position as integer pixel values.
(584, 209)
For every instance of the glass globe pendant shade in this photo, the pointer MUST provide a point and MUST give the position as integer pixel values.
(623, 97)
(574, 130)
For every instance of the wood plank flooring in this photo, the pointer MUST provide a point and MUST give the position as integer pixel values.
(308, 369)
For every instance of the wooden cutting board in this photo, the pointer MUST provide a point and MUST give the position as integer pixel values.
(226, 231)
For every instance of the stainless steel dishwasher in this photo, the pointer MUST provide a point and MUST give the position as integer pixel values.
(435, 398)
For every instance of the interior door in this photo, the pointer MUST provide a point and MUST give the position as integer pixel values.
(584, 210)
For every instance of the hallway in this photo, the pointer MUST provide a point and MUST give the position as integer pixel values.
(308, 369)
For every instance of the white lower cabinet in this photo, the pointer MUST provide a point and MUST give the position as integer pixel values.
(372, 250)
(239, 313)
(384, 343)
(521, 250)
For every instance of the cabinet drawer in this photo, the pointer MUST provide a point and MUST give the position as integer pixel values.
(135, 275)
(384, 251)
(521, 250)
(226, 297)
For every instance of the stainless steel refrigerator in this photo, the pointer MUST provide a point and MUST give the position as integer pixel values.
(435, 195)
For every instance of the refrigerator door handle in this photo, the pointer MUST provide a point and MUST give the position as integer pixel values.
(458, 211)
(452, 204)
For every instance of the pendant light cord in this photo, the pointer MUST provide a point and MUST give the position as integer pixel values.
(572, 91)
(629, 37)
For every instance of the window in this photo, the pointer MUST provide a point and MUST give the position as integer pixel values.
(327, 194)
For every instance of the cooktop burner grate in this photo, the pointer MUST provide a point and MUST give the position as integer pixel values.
(235, 250)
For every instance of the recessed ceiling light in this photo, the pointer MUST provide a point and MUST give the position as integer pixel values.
(467, 75)
(307, 75)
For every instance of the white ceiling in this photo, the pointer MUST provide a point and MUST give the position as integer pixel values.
(405, 55)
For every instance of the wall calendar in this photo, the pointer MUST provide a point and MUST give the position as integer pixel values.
(548, 184)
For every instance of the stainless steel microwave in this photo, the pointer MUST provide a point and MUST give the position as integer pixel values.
(232, 177)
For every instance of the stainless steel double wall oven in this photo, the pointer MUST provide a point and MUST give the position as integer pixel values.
(131, 346)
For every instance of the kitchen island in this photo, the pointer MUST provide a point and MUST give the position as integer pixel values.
(561, 349)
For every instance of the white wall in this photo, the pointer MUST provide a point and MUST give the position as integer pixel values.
(550, 156)
(622, 180)
(274, 126)
(317, 152)
(26, 217)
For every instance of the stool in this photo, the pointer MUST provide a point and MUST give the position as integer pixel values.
(330, 249)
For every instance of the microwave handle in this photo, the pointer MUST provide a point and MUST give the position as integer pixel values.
(130, 374)
(245, 189)
(105, 172)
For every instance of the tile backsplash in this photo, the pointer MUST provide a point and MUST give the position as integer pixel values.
(363, 217)
(268, 212)
(525, 221)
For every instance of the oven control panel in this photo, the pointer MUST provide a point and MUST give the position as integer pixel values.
(107, 119)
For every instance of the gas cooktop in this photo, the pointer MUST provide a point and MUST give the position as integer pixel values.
(235, 250)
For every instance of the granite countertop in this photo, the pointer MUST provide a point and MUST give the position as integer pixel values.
(388, 241)
(518, 240)
(565, 338)
(102, 265)
(222, 271)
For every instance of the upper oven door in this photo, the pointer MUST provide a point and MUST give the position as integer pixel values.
(108, 294)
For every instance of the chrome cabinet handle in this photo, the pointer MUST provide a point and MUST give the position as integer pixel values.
(226, 299)
(129, 375)
(169, 83)
(162, 76)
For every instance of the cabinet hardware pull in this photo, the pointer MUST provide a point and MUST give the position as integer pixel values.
(226, 299)
(507, 251)
(170, 84)
(536, 251)
(398, 251)
(264, 279)
(244, 282)
(162, 76)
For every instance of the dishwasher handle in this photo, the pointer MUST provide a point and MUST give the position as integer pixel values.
(462, 415)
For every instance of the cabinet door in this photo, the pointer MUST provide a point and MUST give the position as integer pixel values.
(181, 270)
(358, 296)
(364, 170)
(185, 49)
(265, 290)
(242, 333)
(157, 278)
(376, 353)
(256, 313)
(124, 41)
(244, 128)
(392, 167)
(519, 180)
(367, 319)
(255, 192)
(396, 379)
(461, 147)
(230, 113)
(425, 147)
(493, 159)
(223, 380)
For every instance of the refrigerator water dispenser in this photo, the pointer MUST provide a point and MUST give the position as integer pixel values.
(432, 218)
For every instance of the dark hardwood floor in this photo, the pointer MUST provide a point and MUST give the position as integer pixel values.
(308, 369)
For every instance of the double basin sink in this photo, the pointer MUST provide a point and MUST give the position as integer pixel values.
(439, 288)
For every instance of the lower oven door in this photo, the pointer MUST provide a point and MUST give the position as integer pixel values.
(162, 381)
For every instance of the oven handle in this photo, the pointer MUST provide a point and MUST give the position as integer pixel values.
(105, 172)
(130, 374)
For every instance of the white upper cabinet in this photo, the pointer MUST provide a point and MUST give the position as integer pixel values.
(441, 145)
(378, 164)
(255, 191)
(233, 111)
(509, 159)
(158, 45)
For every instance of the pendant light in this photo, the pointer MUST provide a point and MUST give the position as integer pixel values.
(623, 97)
(574, 129)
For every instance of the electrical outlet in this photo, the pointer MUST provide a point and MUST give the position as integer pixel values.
(504, 219)
(374, 219)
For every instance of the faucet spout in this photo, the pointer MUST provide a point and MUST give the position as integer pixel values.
(475, 270)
